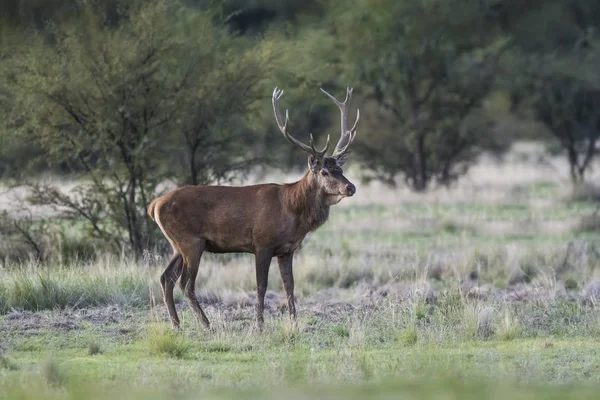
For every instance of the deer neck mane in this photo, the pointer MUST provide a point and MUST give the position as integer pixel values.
(308, 201)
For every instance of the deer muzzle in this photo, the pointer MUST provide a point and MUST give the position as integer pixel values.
(350, 189)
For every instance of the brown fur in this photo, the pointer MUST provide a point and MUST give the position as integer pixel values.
(267, 220)
(306, 200)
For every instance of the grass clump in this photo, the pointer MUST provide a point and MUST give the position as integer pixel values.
(456, 227)
(421, 310)
(508, 328)
(94, 348)
(294, 370)
(364, 366)
(478, 322)
(162, 340)
(52, 373)
(571, 283)
(41, 292)
(341, 330)
(287, 331)
(409, 335)
(218, 347)
(4, 307)
(35, 287)
(7, 364)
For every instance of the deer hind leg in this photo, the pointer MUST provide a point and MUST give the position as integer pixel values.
(167, 283)
(263, 263)
(172, 273)
(188, 279)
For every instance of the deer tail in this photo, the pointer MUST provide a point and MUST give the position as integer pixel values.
(151, 209)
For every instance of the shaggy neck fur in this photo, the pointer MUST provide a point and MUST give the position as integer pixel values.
(308, 201)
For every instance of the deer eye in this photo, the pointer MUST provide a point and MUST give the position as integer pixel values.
(324, 173)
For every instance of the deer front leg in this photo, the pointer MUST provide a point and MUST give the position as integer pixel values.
(263, 262)
(287, 277)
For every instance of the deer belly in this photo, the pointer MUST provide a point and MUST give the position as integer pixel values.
(229, 245)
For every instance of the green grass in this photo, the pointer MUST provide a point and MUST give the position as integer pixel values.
(193, 361)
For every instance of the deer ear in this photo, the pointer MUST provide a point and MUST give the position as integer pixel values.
(313, 163)
(341, 160)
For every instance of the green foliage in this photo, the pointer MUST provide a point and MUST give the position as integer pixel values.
(256, 17)
(164, 93)
(546, 26)
(427, 81)
(552, 74)
(25, 238)
(564, 94)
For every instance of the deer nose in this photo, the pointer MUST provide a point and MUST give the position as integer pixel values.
(350, 189)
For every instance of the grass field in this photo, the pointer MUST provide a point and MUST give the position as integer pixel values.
(487, 290)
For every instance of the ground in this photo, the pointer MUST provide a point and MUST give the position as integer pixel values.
(489, 289)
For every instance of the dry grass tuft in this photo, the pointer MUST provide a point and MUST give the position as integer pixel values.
(508, 327)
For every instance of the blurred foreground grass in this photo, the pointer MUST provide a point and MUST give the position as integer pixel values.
(520, 370)
(423, 389)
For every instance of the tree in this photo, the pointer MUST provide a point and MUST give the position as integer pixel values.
(553, 76)
(565, 97)
(16, 154)
(115, 102)
(216, 137)
(424, 64)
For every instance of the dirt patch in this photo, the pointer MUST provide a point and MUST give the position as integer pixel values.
(61, 321)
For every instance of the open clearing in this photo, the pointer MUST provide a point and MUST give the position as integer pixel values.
(490, 290)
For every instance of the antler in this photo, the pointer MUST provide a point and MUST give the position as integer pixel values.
(342, 149)
(283, 128)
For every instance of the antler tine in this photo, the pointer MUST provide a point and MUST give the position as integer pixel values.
(341, 150)
(317, 152)
(350, 135)
(283, 127)
(336, 101)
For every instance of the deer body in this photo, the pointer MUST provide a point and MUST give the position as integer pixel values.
(267, 220)
(243, 219)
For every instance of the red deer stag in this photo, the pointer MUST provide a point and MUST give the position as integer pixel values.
(267, 220)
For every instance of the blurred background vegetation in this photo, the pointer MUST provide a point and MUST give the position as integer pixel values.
(125, 98)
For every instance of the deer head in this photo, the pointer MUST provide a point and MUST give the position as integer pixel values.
(325, 171)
